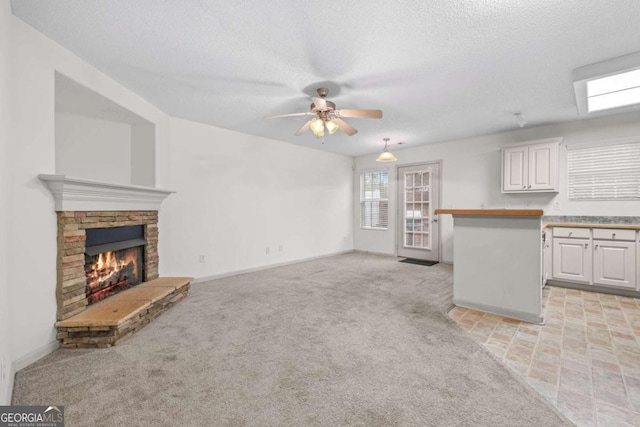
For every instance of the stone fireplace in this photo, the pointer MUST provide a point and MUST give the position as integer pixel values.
(89, 213)
(107, 285)
(76, 271)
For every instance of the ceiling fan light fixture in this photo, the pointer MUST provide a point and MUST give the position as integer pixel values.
(386, 155)
(317, 127)
(331, 126)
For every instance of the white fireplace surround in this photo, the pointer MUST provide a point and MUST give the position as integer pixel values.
(76, 194)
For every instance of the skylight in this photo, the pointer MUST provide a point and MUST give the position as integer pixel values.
(614, 91)
(607, 85)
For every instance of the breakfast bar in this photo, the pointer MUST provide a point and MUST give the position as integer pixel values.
(497, 261)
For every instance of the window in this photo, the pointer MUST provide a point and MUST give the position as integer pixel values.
(614, 83)
(374, 200)
(614, 91)
(606, 171)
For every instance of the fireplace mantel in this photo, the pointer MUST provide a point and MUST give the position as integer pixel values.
(76, 194)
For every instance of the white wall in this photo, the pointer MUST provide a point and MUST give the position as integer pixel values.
(238, 194)
(94, 149)
(143, 155)
(472, 171)
(299, 198)
(30, 149)
(6, 373)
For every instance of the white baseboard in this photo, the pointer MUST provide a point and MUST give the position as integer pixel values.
(375, 253)
(34, 356)
(513, 314)
(265, 267)
(25, 361)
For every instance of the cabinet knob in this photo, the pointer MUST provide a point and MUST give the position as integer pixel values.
(529, 186)
(586, 245)
(570, 233)
(595, 247)
(613, 235)
(524, 186)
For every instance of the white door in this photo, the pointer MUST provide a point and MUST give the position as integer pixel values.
(614, 263)
(515, 169)
(418, 197)
(572, 260)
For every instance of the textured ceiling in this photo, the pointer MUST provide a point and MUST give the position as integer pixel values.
(439, 70)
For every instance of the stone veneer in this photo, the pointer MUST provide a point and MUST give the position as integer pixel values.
(71, 280)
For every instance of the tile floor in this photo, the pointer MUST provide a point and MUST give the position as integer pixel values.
(585, 359)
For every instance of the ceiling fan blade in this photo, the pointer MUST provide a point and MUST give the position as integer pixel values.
(344, 126)
(304, 128)
(320, 103)
(289, 115)
(365, 114)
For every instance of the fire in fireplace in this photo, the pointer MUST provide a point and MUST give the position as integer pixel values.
(114, 260)
(111, 272)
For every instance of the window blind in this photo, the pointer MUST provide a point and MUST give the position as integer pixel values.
(604, 172)
(374, 200)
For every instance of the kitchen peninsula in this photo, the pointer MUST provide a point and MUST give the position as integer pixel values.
(497, 261)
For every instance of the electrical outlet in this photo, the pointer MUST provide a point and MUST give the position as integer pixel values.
(201, 259)
(268, 250)
(556, 205)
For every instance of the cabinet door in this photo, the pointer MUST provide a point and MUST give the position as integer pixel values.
(614, 263)
(547, 259)
(515, 169)
(572, 260)
(543, 167)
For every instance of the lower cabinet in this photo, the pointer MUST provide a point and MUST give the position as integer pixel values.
(614, 263)
(603, 257)
(572, 260)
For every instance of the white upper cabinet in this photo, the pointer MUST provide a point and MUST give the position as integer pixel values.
(531, 168)
(515, 168)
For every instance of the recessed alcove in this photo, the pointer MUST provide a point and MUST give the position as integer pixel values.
(98, 139)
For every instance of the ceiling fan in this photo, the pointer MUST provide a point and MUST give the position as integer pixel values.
(326, 115)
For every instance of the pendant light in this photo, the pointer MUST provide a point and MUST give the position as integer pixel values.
(386, 155)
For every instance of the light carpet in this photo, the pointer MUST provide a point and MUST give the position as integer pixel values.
(349, 340)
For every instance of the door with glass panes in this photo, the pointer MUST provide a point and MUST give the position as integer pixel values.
(418, 194)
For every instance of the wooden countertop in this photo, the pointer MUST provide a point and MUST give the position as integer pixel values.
(577, 225)
(491, 212)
